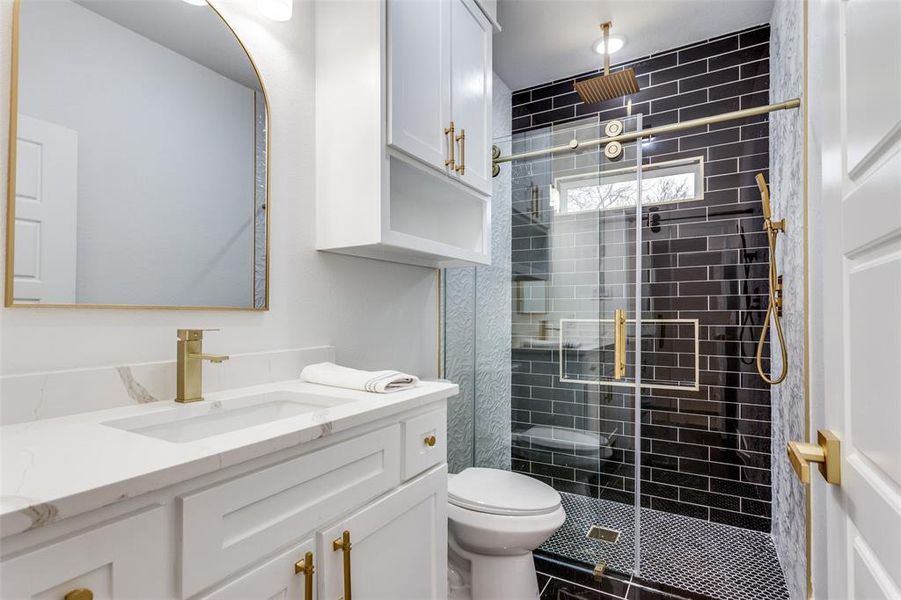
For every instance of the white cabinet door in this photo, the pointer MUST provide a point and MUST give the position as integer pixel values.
(398, 546)
(471, 91)
(276, 578)
(127, 559)
(419, 78)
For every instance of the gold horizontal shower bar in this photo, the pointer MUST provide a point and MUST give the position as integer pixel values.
(634, 135)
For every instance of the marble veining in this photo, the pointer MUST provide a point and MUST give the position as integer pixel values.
(135, 390)
(786, 186)
(80, 445)
(35, 396)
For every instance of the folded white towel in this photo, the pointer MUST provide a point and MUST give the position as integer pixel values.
(380, 382)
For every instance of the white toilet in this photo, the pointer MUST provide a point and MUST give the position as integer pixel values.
(495, 519)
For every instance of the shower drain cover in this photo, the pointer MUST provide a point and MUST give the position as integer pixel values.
(603, 534)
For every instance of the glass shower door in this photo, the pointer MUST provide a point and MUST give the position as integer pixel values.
(574, 276)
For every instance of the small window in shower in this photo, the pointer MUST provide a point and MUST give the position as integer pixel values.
(662, 183)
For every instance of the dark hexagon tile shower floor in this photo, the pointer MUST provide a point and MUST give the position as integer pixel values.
(689, 554)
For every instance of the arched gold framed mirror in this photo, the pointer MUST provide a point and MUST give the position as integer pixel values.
(138, 159)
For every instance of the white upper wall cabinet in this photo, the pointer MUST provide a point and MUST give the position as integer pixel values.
(471, 91)
(419, 75)
(403, 130)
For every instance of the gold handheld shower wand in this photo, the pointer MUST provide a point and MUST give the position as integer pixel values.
(774, 306)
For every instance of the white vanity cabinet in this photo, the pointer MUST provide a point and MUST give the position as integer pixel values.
(389, 538)
(403, 130)
(239, 532)
(125, 558)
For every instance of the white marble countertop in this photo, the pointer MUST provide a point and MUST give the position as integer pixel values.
(57, 468)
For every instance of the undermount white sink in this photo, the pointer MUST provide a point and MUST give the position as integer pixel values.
(206, 418)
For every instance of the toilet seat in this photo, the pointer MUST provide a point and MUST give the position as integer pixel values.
(497, 492)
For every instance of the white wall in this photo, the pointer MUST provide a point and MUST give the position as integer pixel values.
(376, 314)
(165, 159)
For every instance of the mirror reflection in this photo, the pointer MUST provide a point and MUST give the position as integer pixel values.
(140, 158)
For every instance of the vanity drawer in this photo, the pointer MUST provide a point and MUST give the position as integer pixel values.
(425, 442)
(126, 559)
(234, 524)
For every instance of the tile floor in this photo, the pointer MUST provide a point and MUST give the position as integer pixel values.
(682, 555)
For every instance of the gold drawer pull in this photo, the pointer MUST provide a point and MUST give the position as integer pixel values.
(619, 343)
(430, 441)
(449, 134)
(343, 544)
(79, 594)
(305, 566)
(461, 139)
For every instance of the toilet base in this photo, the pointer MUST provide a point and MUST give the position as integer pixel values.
(482, 577)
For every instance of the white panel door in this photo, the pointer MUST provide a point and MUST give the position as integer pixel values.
(419, 78)
(46, 206)
(398, 546)
(471, 91)
(855, 197)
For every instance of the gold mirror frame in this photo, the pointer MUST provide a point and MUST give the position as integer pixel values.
(11, 188)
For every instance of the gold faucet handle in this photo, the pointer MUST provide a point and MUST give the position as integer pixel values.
(213, 358)
(192, 335)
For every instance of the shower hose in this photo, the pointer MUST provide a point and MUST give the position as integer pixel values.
(772, 310)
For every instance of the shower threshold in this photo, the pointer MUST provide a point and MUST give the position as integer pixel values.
(683, 553)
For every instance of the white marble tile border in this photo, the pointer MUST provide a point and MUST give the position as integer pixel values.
(45, 395)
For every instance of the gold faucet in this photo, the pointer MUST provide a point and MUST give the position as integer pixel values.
(189, 379)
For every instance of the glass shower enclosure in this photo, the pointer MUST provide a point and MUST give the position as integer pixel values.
(583, 342)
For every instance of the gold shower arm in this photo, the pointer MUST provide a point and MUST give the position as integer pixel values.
(645, 133)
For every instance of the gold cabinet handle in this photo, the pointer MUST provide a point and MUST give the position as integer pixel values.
(343, 544)
(430, 441)
(305, 566)
(79, 594)
(619, 343)
(461, 139)
(827, 453)
(449, 134)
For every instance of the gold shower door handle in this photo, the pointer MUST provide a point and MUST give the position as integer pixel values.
(449, 134)
(461, 139)
(305, 566)
(619, 343)
(343, 544)
(827, 453)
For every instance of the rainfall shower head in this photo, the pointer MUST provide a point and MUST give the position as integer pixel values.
(609, 85)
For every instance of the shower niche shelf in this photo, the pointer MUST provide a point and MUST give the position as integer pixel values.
(403, 144)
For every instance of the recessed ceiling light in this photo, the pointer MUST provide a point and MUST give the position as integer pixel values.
(617, 42)
(197, 2)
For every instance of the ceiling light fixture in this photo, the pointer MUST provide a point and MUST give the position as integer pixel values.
(617, 42)
(277, 10)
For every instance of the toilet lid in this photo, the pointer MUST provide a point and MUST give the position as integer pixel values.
(501, 493)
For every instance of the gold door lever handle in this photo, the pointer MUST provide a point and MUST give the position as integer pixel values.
(343, 544)
(79, 594)
(827, 453)
(305, 566)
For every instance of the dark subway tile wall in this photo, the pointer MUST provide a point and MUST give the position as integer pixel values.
(704, 453)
